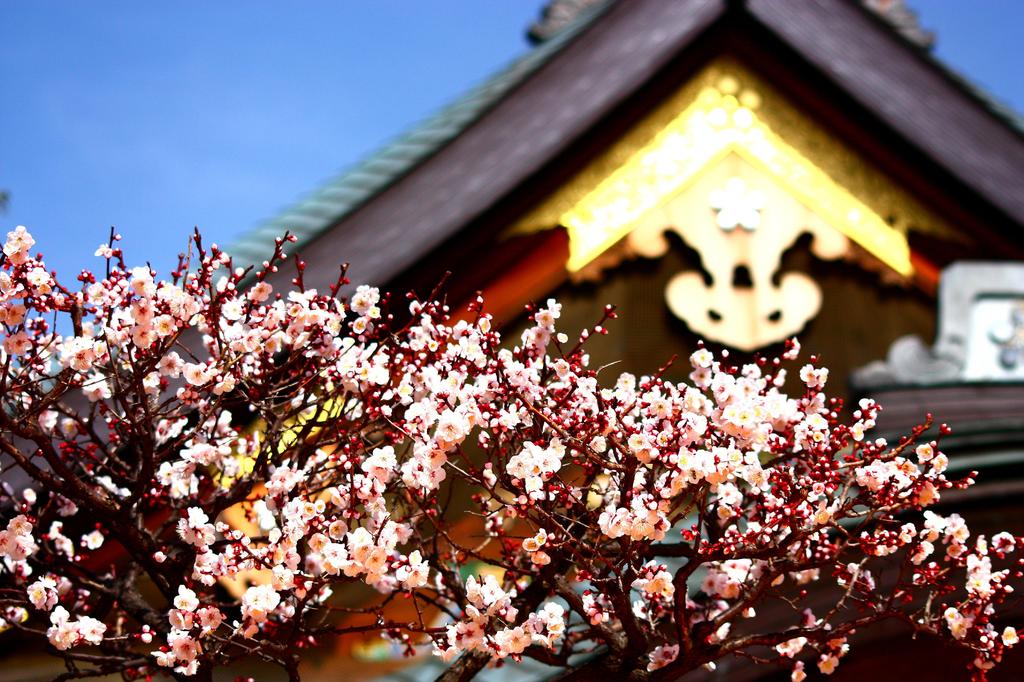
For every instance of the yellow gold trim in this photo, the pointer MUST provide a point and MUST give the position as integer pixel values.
(727, 109)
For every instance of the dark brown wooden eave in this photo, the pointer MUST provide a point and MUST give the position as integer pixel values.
(904, 88)
(990, 230)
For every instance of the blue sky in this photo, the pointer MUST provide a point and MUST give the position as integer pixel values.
(155, 117)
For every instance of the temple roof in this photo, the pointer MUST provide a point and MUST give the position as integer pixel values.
(421, 189)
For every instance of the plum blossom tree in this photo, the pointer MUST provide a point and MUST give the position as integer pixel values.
(218, 469)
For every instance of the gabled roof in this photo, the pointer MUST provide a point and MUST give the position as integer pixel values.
(421, 190)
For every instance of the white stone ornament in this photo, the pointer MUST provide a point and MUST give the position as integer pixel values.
(980, 334)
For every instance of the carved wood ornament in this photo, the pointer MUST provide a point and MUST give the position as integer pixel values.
(740, 222)
(739, 174)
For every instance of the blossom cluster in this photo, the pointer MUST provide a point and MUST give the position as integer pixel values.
(228, 464)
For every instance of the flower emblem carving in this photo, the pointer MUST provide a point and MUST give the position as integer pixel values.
(737, 205)
(1008, 336)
